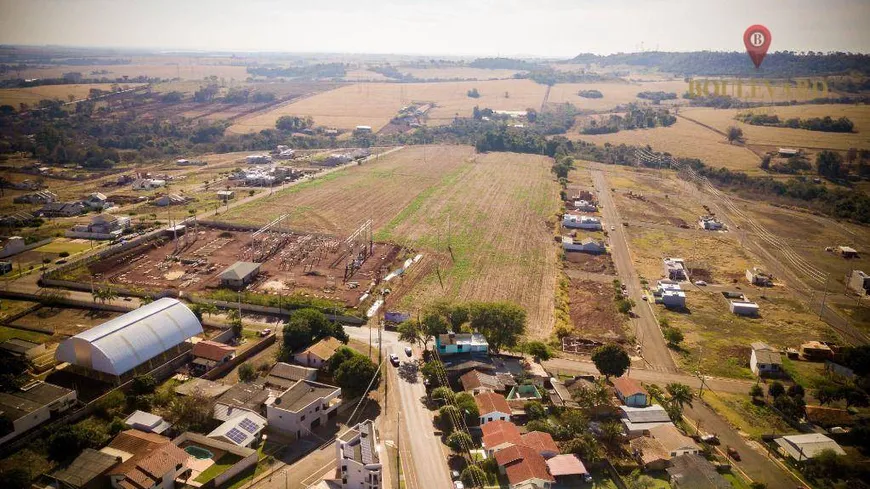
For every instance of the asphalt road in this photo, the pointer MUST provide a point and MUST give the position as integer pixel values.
(418, 439)
(653, 348)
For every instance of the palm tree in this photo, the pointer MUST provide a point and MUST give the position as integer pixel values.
(105, 294)
(208, 308)
(610, 431)
(681, 394)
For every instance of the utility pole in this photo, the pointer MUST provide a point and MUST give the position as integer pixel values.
(825, 295)
(398, 447)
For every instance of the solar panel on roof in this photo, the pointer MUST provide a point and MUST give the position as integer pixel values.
(248, 425)
(235, 435)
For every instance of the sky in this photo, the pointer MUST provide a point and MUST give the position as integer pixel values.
(545, 28)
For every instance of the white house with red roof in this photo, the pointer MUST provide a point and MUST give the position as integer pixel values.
(492, 407)
(524, 467)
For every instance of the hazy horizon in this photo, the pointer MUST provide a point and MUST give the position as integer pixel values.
(547, 28)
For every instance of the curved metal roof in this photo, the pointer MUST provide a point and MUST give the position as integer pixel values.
(121, 344)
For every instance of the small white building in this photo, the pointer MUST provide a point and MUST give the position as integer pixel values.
(670, 294)
(357, 459)
(225, 195)
(33, 405)
(147, 422)
(585, 206)
(758, 277)
(859, 282)
(148, 183)
(302, 408)
(169, 199)
(804, 447)
(587, 245)
(363, 129)
(102, 226)
(674, 268)
(492, 407)
(743, 308)
(97, 200)
(12, 246)
(242, 430)
(575, 221)
(764, 360)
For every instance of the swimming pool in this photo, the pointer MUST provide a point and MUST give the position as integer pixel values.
(198, 452)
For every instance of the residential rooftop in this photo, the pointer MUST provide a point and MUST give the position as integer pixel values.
(17, 404)
(303, 393)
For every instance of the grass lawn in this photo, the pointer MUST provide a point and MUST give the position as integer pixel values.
(22, 334)
(243, 478)
(807, 374)
(738, 409)
(736, 481)
(60, 245)
(9, 307)
(219, 467)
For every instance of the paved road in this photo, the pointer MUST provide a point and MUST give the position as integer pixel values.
(428, 461)
(649, 336)
(577, 367)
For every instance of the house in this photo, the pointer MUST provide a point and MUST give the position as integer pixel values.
(147, 422)
(102, 226)
(788, 152)
(242, 430)
(357, 459)
(693, 471)
(284, 375)
(743, 308)
(244, 397)
(453, 343)
(674, 442)
(541, 442)
(669, 294)
(32, 405)
(258, 159)
(764, 360)
(97, 200)
(664, 443)
(202, 387)
(575, 221)
(585, 206)
(674, 269)
(147, 461)
(524, 468)
(316, 355)
(710, 223)
(41, 197)
(87, 471)
(62, 209)
(847, 252)
(169, 199)
(630, 392)
(148, 183)
(302, 408)
(22, 348)
(225, 195)
(285, 153)
(498, 435)
(12, 246)
(587, 245)
(239, 274)
(805, 447)
(638, 421)
(758, 277)
(859, 282)
(492, 407)
(816, 351)
(209, 354)
(477, 381)
(566, 468)
(363, 129)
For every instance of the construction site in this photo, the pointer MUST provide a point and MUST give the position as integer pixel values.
(193, 257)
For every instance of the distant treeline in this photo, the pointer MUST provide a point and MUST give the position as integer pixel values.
(781, 63)
(636, 117)
(325, 70)
(503, 64)
(729, 102)
(20, 83)
(549, 76)
(823, 124)
(390, 71)
(590, 94)
(657, 97)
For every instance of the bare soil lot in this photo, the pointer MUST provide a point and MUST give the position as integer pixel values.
(589, 263)
(593, 312)
(62, 321)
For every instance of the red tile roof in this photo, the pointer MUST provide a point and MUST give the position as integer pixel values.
(496, 433)
(489, 402)
(153, 456)
(212, 350)
(476, 379)
(628, 387)
(522, 463)
(568, 464)
(541, 442)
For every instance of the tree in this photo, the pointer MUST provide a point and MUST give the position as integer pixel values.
(535, 410)
(856, 397)
(247, 373)
(190, 413)
(640, 481)
(104, 294)
(776, 389)
(795, 390)
(15, 478)
(611, 431)
(446, 416)
(143, 384)
(459, 441)
(430, 372)
(611, 360)
(829, 164)
(465, 402)
(734, 133)
(586, 447)
(681, 394)
(473, 93)
(411, 332)
(538, 350)
(442, 393)
(473, 476)
(432, 325)
(756, 391)
(502, 323)
(673, 336)
(307, 326)
(354, 375)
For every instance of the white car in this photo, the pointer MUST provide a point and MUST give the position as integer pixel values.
(408, 351)
(613, 228)
(394, 359)
(458, 485)
(700, 282)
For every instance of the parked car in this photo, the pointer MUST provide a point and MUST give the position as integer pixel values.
(266, 332)
(733, 454)
(408, 351)
(394, 359)
(454, 475)
(458, 485)
(700, 282)
(711, 439)
(613, 228)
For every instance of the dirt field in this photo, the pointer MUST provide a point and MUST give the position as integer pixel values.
(594, 313)
(500, 208)
(32, 95)
(63, 322)
(656, 197)
(291, 263)
(686, 139)
(340, 202)
(721, 119)
(374, 104)
(614, 93)
(589, 263)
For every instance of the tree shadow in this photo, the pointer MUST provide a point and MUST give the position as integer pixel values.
(408, 371)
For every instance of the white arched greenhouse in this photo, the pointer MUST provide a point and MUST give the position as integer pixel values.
(126, 342)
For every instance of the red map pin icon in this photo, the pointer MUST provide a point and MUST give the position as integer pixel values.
(757, 40)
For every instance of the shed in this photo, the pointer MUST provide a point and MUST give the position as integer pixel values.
(764, 360)
(239, 274)
(630, 392)
(804, 447)
(743, 308)
(847, 252)
(147, 422)
(19, 347)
